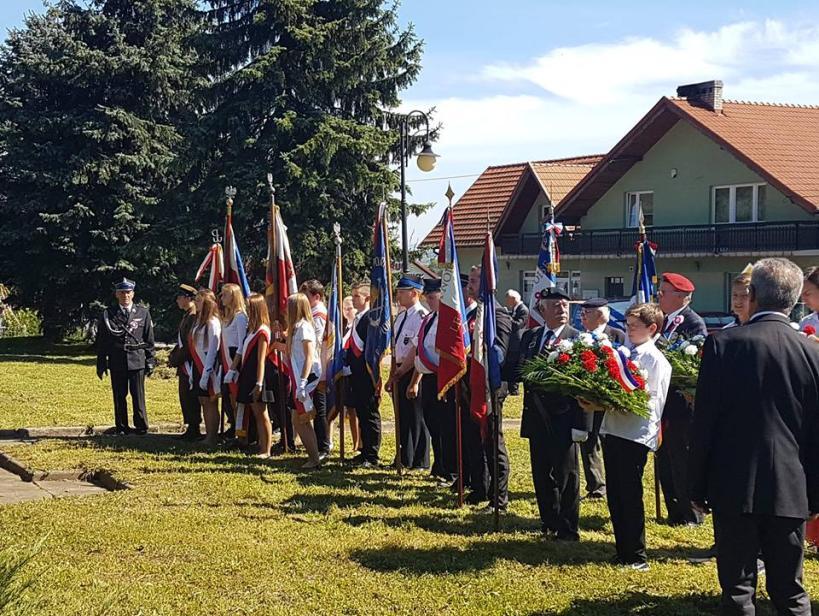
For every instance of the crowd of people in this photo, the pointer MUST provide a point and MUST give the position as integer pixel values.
(745, 447)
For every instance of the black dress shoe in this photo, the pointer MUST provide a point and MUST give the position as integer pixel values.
(140, 431)
(475, 499)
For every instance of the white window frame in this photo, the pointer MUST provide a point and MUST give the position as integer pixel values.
(636, 224)
(732, 203)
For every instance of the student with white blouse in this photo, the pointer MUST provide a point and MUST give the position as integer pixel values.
(234, 328)
(205, 370)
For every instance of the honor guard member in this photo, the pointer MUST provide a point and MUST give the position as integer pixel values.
(125, 347)
(413, 436)
(439, 415)
(484, 458)
(363, 395)
(179, 358)
(674, 298)
(595, 315)
(548, 421)
(471, 449)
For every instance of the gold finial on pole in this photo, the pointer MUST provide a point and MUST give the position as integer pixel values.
(449, 194)
(230, 193)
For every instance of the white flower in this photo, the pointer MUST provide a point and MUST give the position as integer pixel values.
(606, 343)
(552, 358)
(795, 325)
(602, 336)
(586, 340)
(565, 345)
(691, 349)
(643, 373)
(625, 351)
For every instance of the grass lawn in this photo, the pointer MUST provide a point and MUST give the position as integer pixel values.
(217, 532)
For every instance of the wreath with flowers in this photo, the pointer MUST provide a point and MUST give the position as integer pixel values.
(684, 355)
(589, 367)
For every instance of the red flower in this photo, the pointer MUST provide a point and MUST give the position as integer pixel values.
(632, 366)
(607, 350)
(613, 368)
(810, 330)
(563, 358)
(640, 381)
(590, 364)
(588, 356)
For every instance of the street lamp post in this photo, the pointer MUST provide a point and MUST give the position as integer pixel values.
(426, 162)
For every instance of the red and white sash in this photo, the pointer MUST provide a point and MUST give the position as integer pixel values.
(423, 355)
(200, 366)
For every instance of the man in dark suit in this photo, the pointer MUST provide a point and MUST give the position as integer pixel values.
(548, 420)
(674, 297)
(125, 346)
(520, 321)
(595, 315)
(482, 455)
(755, 444)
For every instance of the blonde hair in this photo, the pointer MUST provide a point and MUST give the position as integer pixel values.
(257, 314)
(298, 309)
(210, 309)
(235, 303)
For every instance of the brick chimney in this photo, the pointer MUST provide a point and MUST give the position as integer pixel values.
(707, 94)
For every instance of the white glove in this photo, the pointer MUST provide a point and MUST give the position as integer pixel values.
(232, 376)
(579, 436)
(203, 382)
(301, 390)
(345, 371)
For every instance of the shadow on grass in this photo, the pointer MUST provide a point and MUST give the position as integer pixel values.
(37, 345)
(643, 604)
(47, 359)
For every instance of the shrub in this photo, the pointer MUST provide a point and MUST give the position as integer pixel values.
(21, 322)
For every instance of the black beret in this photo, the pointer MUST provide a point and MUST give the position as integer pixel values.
(595, 302)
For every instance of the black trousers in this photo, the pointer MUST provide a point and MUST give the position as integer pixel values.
(414, 435)
(625, 462)
(739, 540)
(189, 403)
(123, 381)
(475, 471)
(672, 462)
(369, 426)
(227, 406)
(591, 454)
(320, 420)
(437, 414)
(556, 475)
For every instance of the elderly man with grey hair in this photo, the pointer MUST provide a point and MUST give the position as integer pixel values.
(520, 321)
(754, 457)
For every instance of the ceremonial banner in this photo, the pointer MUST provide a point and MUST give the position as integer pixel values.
(215, 262)
(643, 288)
(234, 268)
(379, 332)
(548, 264)
(485, 373)
(452, 338)
(333, 343)
(280, 275)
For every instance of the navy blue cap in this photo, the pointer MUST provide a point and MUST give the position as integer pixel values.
(595, 302)
(432, 285)
(464, 279)
(125, 285)
(553, 293)
(411, 282)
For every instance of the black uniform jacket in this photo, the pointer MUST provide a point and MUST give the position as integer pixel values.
(539, 406)
(119, 339)
(755, 436)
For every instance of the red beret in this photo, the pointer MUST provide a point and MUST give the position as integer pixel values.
(679, 282)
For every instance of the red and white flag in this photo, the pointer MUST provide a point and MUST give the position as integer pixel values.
(216, 263)
(280, 276)
(452, 338)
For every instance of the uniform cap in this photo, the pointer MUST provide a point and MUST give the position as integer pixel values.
(186, 290)
(125, 285)
(679, 282)
(410, 281)
(595, 302)
(554, 293)
(432, 285)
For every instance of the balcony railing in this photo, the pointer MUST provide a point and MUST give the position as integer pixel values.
(773, 237)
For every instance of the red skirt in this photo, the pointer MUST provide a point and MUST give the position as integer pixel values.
(812, 532)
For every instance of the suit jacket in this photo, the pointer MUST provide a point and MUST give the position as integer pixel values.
(534, 422)
(117, 336)
(692, 324)
(755, 436)
(503, 330)
(617, 336)
(519, 319)
(677, 409)
(361, 388)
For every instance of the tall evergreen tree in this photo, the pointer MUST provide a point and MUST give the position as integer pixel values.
(92, 101)
(302, 89)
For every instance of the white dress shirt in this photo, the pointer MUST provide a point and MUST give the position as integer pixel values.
(406, 327)
(628, 425)
(233, 333)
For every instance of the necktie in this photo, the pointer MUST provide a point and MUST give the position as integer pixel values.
(430, 322)
(401, 327)
(547, 340)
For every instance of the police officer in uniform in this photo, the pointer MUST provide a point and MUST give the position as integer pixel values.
(125, 346)
(413, 436)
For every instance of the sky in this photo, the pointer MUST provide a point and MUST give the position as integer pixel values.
(538, 79)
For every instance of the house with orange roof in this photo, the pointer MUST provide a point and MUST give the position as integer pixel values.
(719, 183)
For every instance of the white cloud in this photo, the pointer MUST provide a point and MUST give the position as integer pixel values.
(594, 93)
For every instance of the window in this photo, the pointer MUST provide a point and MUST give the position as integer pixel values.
(527, 283)
(614, 287)
(739, 203)
(635, 201)
(569, 283)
